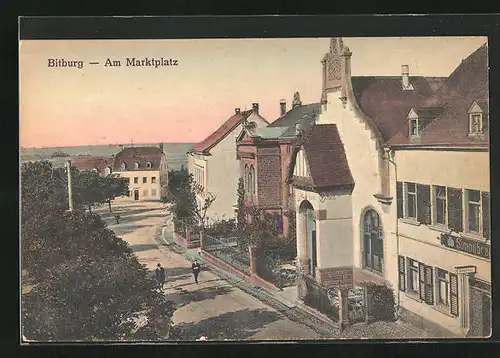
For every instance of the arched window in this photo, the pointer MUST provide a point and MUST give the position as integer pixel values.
(107, 171)
(373, 241)
(149, 165)
(124, 166)
(95, 170)
(136, 165)
(252, 179)
(245, 178)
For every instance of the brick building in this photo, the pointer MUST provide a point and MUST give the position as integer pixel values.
(264, 156)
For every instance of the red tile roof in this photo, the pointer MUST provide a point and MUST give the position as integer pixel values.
(326, 158)
(141, 155)
(466, 85)
(213, 139)
(91, 163)
(383, 100)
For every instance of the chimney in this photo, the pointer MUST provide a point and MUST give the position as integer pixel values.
(282, 107)
(405, 76)
(255, 107)
(237, 111)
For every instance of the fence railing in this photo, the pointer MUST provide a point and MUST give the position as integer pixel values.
(320, 298)
(271, 267)
(228, 250)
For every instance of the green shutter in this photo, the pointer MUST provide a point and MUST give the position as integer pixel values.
(402, 276)
(453, 294)
(421, 276)
(399, 195)
(423, 204)
(454, 199)
(429, 285)
(486, 215)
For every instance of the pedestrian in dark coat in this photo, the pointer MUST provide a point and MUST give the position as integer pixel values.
(117, 218)
(160, 276)
(195, 267)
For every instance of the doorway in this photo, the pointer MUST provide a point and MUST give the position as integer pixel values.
(310, 240)
(136, 194)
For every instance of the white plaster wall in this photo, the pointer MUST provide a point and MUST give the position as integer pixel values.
(363, 157)
(140, 186)
(223, 172)
(458, 169)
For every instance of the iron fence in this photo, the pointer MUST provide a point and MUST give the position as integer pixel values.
(228, 250)
(273, 268)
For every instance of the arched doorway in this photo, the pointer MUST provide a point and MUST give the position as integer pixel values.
(308, 215)
(373, 241)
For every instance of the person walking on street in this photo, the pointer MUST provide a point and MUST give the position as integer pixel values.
(160, 276)
(117, 218)
(195, 267)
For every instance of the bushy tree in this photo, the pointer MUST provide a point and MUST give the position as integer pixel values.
(112, 187)
(240, 206)
(86, 282)
(91, 298)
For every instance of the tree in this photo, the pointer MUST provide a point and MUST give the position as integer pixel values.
(240, 208)
(87, 284)
(95, 299)
(88, 189)
(112, 187)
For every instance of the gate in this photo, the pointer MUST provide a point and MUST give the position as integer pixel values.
(356, 304)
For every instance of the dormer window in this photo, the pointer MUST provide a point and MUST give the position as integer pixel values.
(94, 170)
(124, 166)
(414, 127)
(149, 165)
(136, 165)
(107, 171)
(475, 119)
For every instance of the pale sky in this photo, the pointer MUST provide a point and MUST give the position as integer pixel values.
(108, 105)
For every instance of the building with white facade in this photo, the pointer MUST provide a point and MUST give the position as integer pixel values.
(214, 166)
(378, 145)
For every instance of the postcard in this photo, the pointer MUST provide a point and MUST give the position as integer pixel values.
(255, 189)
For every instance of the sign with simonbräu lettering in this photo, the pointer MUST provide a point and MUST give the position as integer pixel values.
(466, 245)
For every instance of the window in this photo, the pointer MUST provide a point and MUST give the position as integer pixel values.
(443, 287)
(413, 277)
(252, 180)
(373, 248)
(107, 171)
(153, 180)
(136, 180)
(145, 192)
(475, 125)
(94, 170)
(136, 165)
(149, 165)
(144, 180)
(413, 127)
(153, 192)
(473, 211)
(245, 178)
(439, 205)
(124, 166)
(411, 200)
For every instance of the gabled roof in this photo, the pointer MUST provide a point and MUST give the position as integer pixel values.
(383, 99)
(141, 155)
(326, 158)
(466, 85)
(91, 163)
(303, 114)
(268, 132)
(227, 127)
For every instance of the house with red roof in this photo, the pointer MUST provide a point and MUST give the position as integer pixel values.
(392, 186)
(146, 169)
(101, 165)
(213, 164)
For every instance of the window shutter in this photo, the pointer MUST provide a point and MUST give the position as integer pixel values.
(454, 198)
(399, 195)
(486, 215)
(421, 276)
(453, 294)
(424, 204)
(429, 285)
(402, 277)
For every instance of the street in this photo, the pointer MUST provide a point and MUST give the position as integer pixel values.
(213, 308)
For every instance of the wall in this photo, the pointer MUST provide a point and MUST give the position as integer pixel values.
(268, 172)
(364, 158)
(140, 186)
(223, 172)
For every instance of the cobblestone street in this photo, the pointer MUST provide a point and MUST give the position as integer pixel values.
(216, 308)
